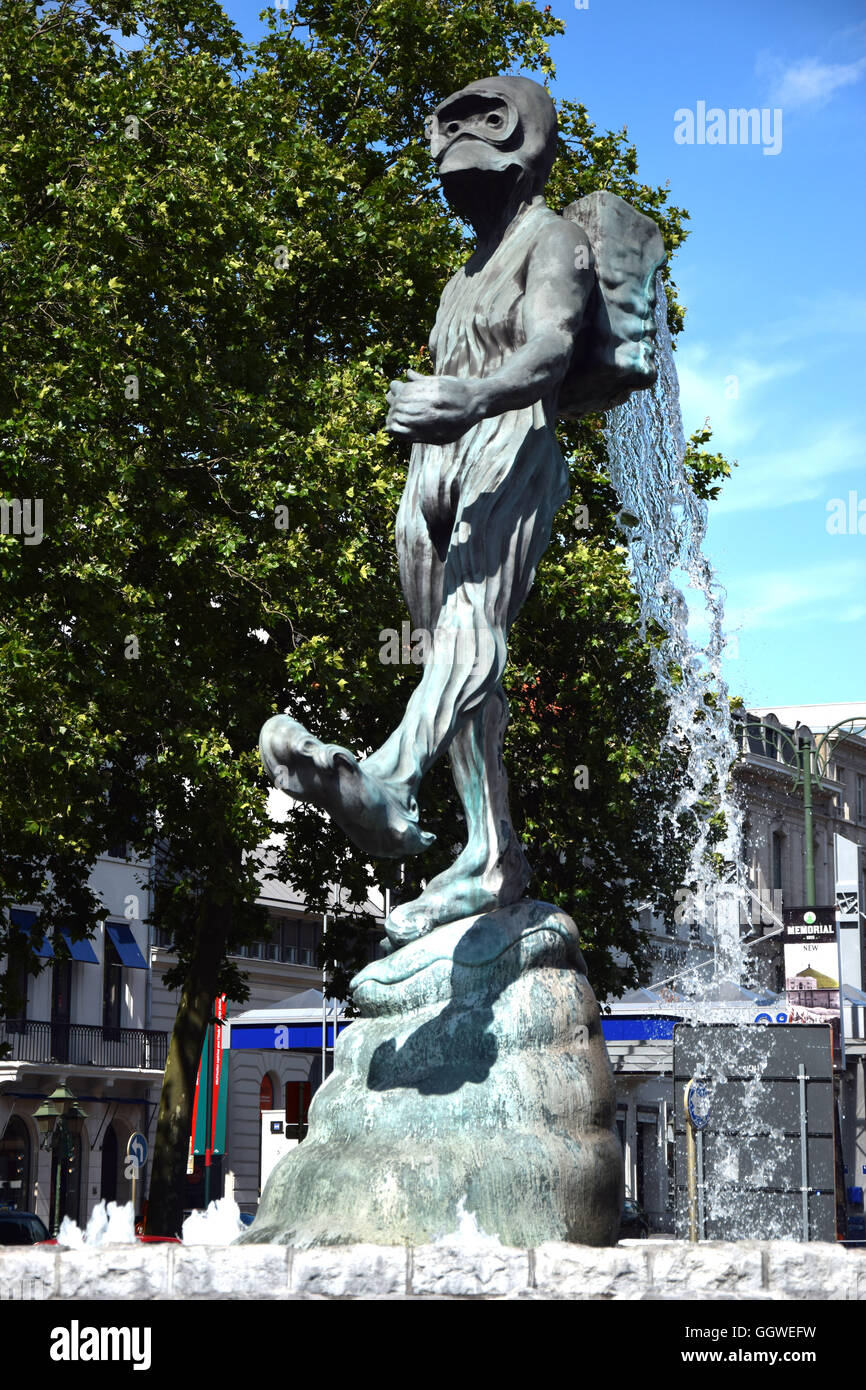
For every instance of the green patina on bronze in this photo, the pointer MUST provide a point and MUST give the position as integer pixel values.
(478, 1070)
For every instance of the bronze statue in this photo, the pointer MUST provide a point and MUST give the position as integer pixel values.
(475, 1078)
(549, 315)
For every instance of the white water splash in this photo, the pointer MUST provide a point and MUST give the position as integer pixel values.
(666, 524)
(111, 1224)
(108, 1225)
(219, 1225)
(468, 1234)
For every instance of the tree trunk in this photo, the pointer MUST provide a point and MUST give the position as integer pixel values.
(167, 1193)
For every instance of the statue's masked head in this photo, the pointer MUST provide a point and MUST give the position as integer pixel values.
(493, 140)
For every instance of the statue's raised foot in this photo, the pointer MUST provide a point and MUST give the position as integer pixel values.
(369, 810)
(471, 885)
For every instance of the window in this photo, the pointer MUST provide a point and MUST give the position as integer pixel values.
(298, 1096)
(294, 942)
(61, 1008)
(17, 981)
(776, 867)
(861, 795)
(15, 1166)
(297, 941)
(112, 988)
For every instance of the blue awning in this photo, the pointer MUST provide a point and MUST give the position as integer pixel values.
(655, 1029)
(127, 948)
(306, 1037)
(26, 922)
(79, 950)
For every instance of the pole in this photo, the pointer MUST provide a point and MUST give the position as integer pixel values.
(691, 1167)
(208, 1153)
(324, 1009)
(61, 1159)
(804, 1153)
(811, 897)
(702, 1214)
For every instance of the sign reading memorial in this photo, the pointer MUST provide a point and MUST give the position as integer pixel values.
(812, 968)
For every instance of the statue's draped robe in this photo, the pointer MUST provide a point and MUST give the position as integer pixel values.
(476, 514)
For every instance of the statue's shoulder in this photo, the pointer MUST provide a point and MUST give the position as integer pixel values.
(557, 242)
(554, 228)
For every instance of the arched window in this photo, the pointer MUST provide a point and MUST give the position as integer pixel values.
(15, 1166)
(297, 1104)
(266, 1094)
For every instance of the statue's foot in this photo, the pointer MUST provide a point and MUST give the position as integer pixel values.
(371, 812)
(471, 885)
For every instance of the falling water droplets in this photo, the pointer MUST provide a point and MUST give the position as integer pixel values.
(664, 526)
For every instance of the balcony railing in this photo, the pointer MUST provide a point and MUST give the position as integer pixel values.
(84, 1044)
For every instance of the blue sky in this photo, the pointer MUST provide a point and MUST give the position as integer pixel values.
(773, 278)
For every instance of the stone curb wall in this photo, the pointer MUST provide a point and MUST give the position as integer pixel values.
(775, 1270)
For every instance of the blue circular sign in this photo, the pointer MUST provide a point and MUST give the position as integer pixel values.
(699, 1105)
(136, 1149)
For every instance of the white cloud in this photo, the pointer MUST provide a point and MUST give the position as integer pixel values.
(784, 598)
(810, 82)
(726, 391)
(798, 474)
(765, 478)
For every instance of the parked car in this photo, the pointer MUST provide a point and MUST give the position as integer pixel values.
(634, 1221)
(21, 1228)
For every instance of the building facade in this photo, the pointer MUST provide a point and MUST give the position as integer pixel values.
(86, 1024)
(100, 1023)
(639, 1027)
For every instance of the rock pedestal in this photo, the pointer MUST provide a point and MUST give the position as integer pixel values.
(477, 1071)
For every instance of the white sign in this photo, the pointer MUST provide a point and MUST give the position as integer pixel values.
(699, 1105)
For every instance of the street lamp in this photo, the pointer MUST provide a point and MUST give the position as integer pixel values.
(813, 761)
(59, 1120)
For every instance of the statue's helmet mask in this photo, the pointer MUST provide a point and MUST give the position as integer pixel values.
(500, 129)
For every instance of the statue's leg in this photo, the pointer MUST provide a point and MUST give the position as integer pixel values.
(373, 799)
(492, 870)
(499, 536)
(468, 547)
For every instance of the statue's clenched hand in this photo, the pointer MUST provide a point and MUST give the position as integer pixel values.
(433, 409)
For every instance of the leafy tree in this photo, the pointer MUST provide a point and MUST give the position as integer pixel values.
(222, 255)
